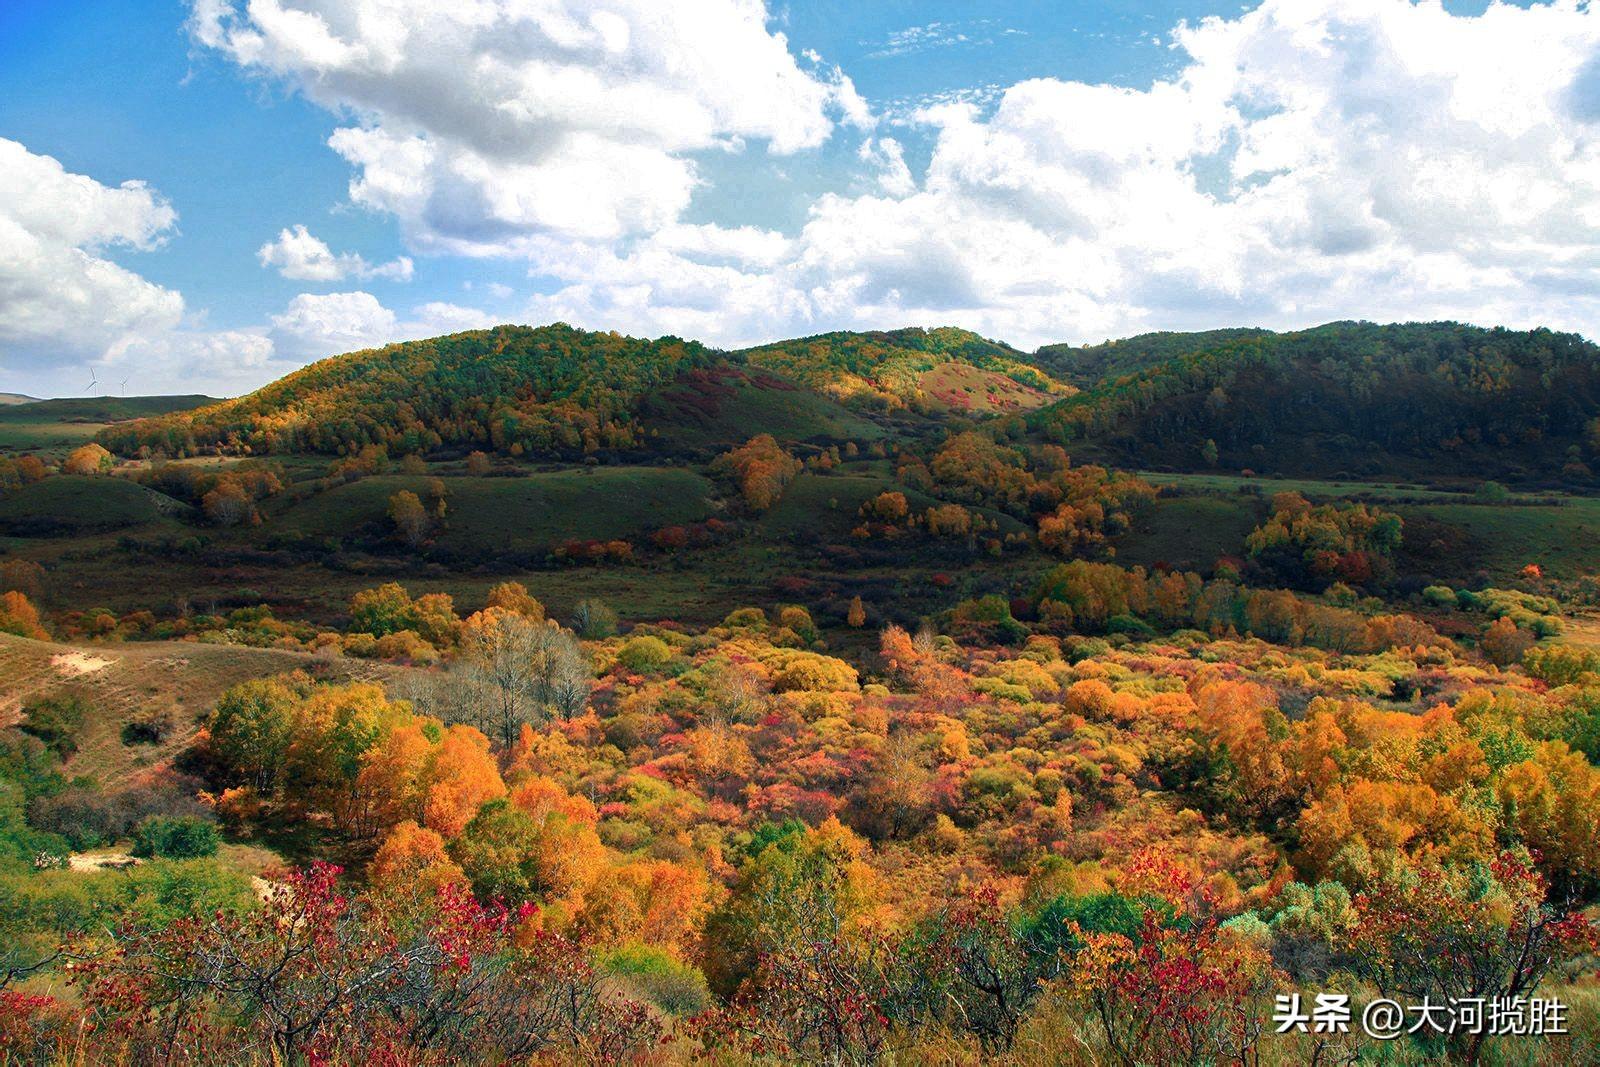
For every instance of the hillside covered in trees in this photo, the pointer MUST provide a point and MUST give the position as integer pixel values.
(556, 391)
(1088, 365)
(1352, 397)
(940, 369)
(553, 390)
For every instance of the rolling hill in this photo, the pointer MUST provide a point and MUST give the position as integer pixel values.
(7, 399)
(1087, 365)
(550, 390)
(1437, 400)
(112, 408)
(939, 370)
(558, 392)
(1404, 400)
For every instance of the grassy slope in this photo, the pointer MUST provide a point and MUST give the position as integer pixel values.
(1502, 539)
(1189, 532)
(490, 515)
(1312, 488)
(961, 387)
(75, 503)
(1214, 516)
(728, 405)
(182, 678)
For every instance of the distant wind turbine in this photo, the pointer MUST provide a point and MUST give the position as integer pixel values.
(93, 381)
(125, 385)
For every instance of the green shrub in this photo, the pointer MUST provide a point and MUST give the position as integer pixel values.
(1131, 625)
(593, 620)
(182, 837)
(746, 619)
(1440, 596)
(55, 721)
(675, 987)
(644, 655)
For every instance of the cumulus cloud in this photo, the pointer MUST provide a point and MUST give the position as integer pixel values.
(216, 362)
(1314, 159)
(61, 299)
(484, 125)
(64, 303)
(316, 325)
(299, 255)
(438, 317)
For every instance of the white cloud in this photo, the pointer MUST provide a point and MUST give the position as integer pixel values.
(484, 125)
(61, 299)
(301, 256)
(888, 158)
(64, 304)
(1316, 159)
(216, 362)
(439, 317)
(317, 325)
(931, 35)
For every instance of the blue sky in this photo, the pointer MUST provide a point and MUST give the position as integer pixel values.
(1036, 171)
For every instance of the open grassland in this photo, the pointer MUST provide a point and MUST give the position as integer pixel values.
(59, 425)
(178, 681)
(42, 434)
(70, 504)
(1582, 630)
(1561, 533)
(1311, 488)
(1189, 532)
(109, 542)
(493, 515)
(1503, 538)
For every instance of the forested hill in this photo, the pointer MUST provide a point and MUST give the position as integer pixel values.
(1088, 365)
(1415, 399)
(943, 369)
(555, 390)
(550, 389)
(1404, 399)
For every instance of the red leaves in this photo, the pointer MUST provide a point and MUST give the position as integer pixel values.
(318, 974)
(1180, 990)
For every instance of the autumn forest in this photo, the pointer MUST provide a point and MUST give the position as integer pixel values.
(536, 695)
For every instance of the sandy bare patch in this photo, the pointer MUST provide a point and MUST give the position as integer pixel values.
(101, 860)
(76, 663)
